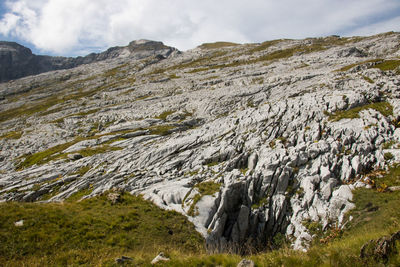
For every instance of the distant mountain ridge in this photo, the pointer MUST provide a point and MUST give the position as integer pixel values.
(17, 61)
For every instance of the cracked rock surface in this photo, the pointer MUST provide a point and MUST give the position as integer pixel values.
(247, 141)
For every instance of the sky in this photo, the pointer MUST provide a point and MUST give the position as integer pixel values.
(79, 27)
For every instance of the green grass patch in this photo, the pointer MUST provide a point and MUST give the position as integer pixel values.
(173, 76)
(390, 178)
(114, 140)
(348, 67)
(73, 91)
(114, 71)
(368, 79)
(283, 140)
(12, 135)
(217, 45)
(28, 109)
(198, 70)
(162, 130)
(382, 107)
(54, 191)
(192, 173)
(142, 97)
(314, 228)
(260, 203)
(45, 156)
(60, 120)
(92, 232)
(43, 107)
(243, 170)
(388, 156)
(222, 115)
(95, 128)
(208, 188)
(157, 71)
(83, 170)
(388, 65)
(80, 194)
(263, 46)
(213, 163)
(207, 260)
(388, 144)
(163, 116)
(258, 80)
(251, 104)
(205, 188)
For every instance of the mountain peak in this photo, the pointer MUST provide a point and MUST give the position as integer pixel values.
(141, 41)
(13, 47)
(147, 45)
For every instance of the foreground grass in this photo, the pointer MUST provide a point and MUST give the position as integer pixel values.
(91, 232)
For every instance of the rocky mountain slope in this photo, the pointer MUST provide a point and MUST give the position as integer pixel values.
(248, 141)
(17, 61)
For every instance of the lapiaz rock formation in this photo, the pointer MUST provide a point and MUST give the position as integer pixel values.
(248, 141)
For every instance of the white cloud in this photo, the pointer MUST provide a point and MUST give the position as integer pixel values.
(8, 23)
(70, 26)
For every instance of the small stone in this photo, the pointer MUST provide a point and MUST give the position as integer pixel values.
(246, 263)
(75, 156)
(114, 197)
(19, 223)
(393, 188)
(123, 259)
(158, 258)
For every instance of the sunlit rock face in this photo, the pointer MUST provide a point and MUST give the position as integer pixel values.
(248, 141)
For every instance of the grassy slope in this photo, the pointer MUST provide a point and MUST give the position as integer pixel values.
(91, 232)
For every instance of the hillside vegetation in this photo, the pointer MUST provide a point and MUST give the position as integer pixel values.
(91, 232)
